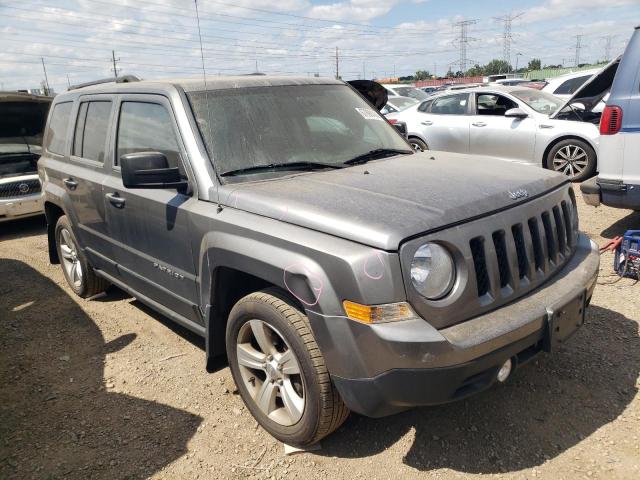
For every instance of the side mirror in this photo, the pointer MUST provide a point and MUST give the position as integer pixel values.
(149, 170)
(516, 113)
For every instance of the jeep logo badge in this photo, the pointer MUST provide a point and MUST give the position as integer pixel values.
(516, 194)
(23, 187)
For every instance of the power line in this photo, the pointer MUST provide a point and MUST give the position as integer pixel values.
(464, 41)
(506, 35)
(576, 61)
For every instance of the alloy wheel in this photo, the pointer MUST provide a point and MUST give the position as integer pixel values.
(70, 260)
(270, 372)
(570, 160)
(416, 147)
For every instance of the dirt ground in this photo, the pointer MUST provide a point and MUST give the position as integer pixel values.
(106, 388)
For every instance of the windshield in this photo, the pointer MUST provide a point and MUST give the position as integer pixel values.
(18, 164)
(260, 126)
(411, 92)
(541, 102)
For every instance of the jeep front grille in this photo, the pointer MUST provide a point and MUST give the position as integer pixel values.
(20, 188)
(500, 257)
(528, 250)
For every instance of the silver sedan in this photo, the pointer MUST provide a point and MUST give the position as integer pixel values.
(506, 122)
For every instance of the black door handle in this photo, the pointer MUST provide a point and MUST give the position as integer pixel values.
(115, 200)
(70, 183)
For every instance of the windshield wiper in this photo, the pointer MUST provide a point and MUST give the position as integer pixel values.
(374, 154)
(280, 166)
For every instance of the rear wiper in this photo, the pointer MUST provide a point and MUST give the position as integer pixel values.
(281, 166)
(374, 154)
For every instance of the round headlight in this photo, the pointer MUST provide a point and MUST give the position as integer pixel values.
(432, 271)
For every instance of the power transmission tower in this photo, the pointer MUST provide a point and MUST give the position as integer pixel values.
(576, 60)
(46, 79)
(464, 41)
(114, 60)
(506, 35)
(607, 47)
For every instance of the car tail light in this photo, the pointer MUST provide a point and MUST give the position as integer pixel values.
(611, 120)
(392, 121)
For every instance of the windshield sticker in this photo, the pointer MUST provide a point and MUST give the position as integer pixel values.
(368, 114)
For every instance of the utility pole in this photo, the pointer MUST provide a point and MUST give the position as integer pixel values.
(68, 81)
(518, 55)
(578, 47)
(464, 41)
(257, 66)
(114, 59)
(364, 76)
(337, 65)
(46, 79)
(607, 47)
(506, 35)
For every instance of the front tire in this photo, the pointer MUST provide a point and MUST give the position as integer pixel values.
(75, 266)
(574, 158)
(279, 370)
(418, 145)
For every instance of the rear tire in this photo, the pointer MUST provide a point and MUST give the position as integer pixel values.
(574, 158)
(418, 145)
(294, 400)
(75, 266)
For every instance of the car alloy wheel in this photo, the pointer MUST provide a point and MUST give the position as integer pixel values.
(70, 260)
(571, 160)
(416, 147)
(270, 372)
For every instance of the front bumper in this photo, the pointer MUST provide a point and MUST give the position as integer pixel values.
(21, 207)
(613, 193)
(385, 368)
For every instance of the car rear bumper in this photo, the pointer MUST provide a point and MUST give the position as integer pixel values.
(613, 193)
(385, 368)
(21, 207)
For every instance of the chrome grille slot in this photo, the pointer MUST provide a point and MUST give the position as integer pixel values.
(20, 188)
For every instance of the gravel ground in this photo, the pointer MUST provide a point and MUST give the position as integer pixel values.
(107, 388)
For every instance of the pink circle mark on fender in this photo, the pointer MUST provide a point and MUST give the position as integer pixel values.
(314, 280)
(372, 264)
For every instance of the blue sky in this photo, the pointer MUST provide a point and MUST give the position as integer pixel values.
(158, 38)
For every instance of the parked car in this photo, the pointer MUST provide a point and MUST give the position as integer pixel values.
(511, 82)
(22, 121)
(566, 85)
(399, 90)
(618, 182)
(397, 104)
(334, 267)
(430, 89)
(507, 122)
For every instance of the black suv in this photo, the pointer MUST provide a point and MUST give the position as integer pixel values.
(287, 222)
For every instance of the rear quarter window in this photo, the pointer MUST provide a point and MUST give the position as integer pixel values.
(58, 127)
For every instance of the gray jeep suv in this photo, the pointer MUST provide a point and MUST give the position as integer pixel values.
(289, 224)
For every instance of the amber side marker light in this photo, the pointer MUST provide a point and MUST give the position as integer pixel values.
(390, 312)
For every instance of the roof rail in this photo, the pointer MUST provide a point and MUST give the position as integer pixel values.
(122, 79)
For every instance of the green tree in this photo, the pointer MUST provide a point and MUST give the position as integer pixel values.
(534, 64)
(422, 75)
(475, 71)
(497, 66)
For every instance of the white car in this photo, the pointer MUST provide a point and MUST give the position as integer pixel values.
(507, 122)
(566, 85)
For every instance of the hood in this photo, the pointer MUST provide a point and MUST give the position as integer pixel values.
(594, 89)
(22, 121)
(383, 202)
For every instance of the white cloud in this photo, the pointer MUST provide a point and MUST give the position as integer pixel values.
(553, 9)
(353, 10)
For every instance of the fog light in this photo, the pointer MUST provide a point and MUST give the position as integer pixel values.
(505, 371)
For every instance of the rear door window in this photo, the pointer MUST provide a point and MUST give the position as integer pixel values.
(92, 125)
(58, 127)
(147, 127)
